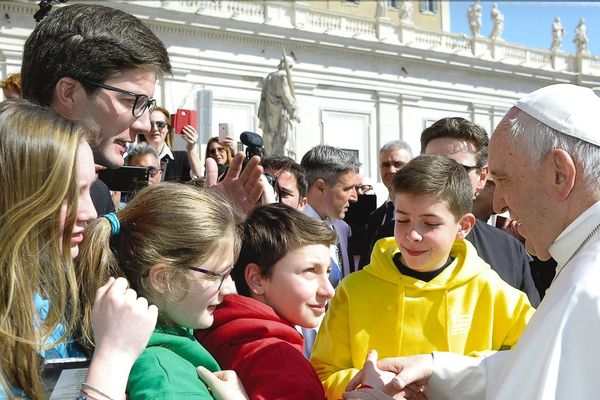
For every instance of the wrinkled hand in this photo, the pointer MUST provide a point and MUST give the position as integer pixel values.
(122, 321)
(223, 385)
(243, 188)
(189, 134)
(411, 374)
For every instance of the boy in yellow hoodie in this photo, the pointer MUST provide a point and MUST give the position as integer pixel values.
(426, 289)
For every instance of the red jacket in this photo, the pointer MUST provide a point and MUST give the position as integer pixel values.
(265, 350)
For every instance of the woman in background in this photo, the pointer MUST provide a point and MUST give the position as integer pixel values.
(176, 165)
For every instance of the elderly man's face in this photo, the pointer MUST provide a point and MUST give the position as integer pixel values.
(521, 189)
(391, 162)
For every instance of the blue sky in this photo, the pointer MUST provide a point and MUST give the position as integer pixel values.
(529, 22)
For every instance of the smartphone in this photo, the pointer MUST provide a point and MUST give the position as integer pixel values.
(124, 179)
(183, 118)
(223, 131)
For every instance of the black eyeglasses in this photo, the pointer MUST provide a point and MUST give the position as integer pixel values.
(159, 124)
(152, 171)
(141, 103)
(212, 274)
(363, 188)
(469, 168)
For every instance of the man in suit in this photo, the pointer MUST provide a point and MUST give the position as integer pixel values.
(331, 177)
(392, 157)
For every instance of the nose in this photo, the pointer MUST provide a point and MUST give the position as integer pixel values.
(353, 195)
(499, 203)
(414, 235)
(86, 211)
(141, 124)
(228, 287)
(326, 290)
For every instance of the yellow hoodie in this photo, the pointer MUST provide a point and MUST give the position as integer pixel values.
(466, 309)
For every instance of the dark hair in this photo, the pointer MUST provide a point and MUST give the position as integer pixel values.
(459, 128)
(327, 163)
(436, 176)
(284, 163)
(269, 233)
(87, 42)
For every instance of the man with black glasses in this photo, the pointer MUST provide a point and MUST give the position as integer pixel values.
(99, 65)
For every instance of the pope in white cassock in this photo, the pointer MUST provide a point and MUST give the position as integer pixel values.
(545, 159)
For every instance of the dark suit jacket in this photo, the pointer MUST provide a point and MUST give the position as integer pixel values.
(503, 252)
(373, 225)
(177, 169)
(344, 233)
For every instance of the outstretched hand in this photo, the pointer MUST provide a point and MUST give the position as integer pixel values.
(411, 374)
(242, 187)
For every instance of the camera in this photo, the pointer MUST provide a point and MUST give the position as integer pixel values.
(254, 147)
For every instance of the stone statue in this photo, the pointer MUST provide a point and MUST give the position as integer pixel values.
(278, 111)
(474, 16)
(557, 34)
(581, 39)
(498, 20)
(406, 10)
(381, 9)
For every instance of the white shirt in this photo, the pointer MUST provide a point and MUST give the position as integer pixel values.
(558, 354)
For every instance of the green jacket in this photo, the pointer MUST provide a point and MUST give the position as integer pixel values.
(167, 368)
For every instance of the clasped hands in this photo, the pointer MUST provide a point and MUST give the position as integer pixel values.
(391, 378)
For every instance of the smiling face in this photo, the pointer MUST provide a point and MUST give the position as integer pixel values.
(196, 309)
(520, 190)
(86, 212)
(158, 130)
(425, 231)
(109, 115)
(298, 288)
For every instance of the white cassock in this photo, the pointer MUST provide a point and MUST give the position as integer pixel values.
(558, 354)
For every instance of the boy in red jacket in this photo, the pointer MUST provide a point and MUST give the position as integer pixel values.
(282, 277)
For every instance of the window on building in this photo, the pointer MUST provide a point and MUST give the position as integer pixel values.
(429, 6)
(351, 1)
(393, 3)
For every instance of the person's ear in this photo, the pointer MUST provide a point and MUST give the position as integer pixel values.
(320, 185)
(157, 278)
(564, 172)
(68, 95)
(465, 224)
(302, 203)
(254, 279)
(482, 178)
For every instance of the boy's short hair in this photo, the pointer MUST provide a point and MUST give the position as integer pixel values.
(437, 176)
(462, 129)
(285, 163)
(87, 42)
(272, 231)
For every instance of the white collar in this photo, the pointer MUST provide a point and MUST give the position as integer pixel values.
(573, 236)
(166, 151)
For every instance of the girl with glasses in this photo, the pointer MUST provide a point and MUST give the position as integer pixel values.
(47, 170)
(176, 245)
(176, 165)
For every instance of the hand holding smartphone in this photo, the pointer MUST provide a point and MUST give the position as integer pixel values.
(183, 118)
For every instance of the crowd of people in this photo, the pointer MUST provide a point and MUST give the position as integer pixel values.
(236, 279)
